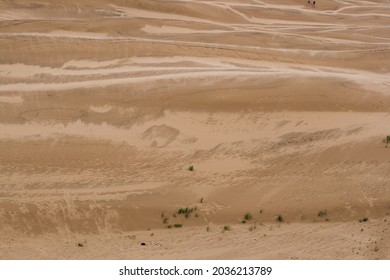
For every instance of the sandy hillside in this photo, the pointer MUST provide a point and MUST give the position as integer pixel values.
(280, 107)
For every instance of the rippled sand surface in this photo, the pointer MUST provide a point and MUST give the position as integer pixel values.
(281, 107)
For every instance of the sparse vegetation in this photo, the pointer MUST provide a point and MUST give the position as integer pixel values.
(164, 218)
(261, 211)
(322, 213)
(178, 225)
(225, 228)
(169, 226)
(363, 220)
(186, 211)
(247, 216)
(131, 237)
(252, 228)
(191, 168)
(207, 229)
(279, 218)
(386, 140)
(201, 200)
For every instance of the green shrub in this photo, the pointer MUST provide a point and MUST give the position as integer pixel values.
(225, 228)
(365, 219)
(191, 168)
(322, 213)
(247, 216)
(178, 225)
(186, 210)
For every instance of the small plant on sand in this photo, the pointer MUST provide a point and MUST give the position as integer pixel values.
(186, 211)
(322, 213)
(252, 228)
(131, 237)
(363, 220)
(247, 216)
(279, 218)
(165, 220)
(81, 244)
(207, 229)
(201, 200)
(386, 140)
(169, 226)
(261, 211)
(178, 225)
(191, 168)
(225, 228)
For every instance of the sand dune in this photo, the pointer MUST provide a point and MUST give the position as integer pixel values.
(280, 107)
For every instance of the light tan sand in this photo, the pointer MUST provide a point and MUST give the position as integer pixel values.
(280, 107)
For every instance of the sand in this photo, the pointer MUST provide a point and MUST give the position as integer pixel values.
(280, 107)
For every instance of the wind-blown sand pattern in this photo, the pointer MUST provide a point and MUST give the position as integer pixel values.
(280, 107)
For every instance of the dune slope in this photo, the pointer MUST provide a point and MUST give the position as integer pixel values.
(280, 107)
